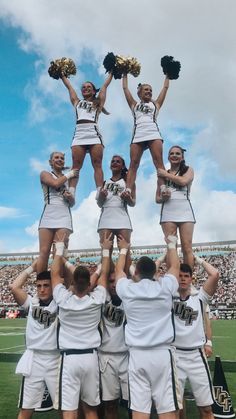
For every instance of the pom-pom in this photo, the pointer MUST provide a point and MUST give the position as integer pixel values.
(62, 67)
(119, 65)
(170, 67)
(109, 62)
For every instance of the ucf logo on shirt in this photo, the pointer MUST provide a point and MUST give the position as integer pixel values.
(143, 108)
(114, 188)
(85, 105)
(44, 317)
(184, 312)
(114, 314)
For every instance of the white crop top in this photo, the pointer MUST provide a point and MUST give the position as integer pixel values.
(86, 110)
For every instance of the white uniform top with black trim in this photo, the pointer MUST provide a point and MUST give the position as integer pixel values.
(178, 191)
(41, 327)
(56, 213)
(112, 325)
(85, 110)
(145, 113)
(188, 318)
(79, 317)
(114, 214)
(178, 207)
(53, 195)
(148, 309)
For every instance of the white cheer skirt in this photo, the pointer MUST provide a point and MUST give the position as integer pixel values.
(56, 216)
(177, 211)
(86, 134)
(114, 218)
(146, 132)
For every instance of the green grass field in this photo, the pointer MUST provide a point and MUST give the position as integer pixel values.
(12, 341)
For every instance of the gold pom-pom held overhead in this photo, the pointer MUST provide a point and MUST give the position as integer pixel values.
(62, 67)
(128, 65)
(119, 65)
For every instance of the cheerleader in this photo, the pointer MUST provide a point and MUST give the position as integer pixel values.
(113, 199)
(56, 220)
(87, 137)
(146, 132)
(176, 211)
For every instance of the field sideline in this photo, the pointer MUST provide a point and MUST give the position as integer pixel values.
(12, 341)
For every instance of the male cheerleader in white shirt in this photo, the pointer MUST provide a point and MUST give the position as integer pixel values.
(79, 337)
(149, 333)
(39, 363)
(113, 353)
(189, 310)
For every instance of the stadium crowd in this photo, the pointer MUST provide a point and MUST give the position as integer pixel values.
(225, 296)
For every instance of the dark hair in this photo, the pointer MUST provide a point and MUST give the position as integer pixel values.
(124, 169)
(145, 267)
(81, 278)
(95, 99)
(44, 275)
(184, 267)
(182, 167)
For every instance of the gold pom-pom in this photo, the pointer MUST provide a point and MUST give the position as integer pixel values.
(128, 65)
(62, 67)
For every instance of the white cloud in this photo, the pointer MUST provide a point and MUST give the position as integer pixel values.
(202, 36)
(8, 212)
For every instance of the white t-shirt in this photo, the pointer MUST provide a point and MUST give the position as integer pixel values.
(79, 317)
(148, 309)
(41, 327)
(113, 331)
(188, 318)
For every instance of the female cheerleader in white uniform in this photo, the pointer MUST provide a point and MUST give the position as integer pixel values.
(146, 133)
(113, 199)
(87, 136)
(56, 216)
(176, 211)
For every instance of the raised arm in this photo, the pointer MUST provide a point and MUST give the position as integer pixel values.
(105, 268)
(103, 91)
(162, 95)
(49, 180)
(72, 93)
(16, 287)
(211, 283)
(172, 258)
(120, 264)
(57, 265)
(179, 180)
(128, 95)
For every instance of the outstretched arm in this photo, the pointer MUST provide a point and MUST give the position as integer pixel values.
(103, 91)
(16, 287)
(72, 93)
(128, 95)
(211, 283)
(162, 95)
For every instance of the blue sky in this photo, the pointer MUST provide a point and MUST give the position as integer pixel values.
(37, 118)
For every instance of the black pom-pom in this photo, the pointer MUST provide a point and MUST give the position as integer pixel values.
(109, 62)
(171, 68)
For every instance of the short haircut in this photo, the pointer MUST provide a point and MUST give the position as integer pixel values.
(145, 267)
(44, 275)
(81, 278)
(184, 267)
